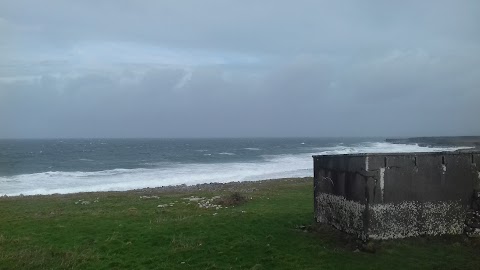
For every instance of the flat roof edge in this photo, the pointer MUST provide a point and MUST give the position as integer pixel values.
(458, 152)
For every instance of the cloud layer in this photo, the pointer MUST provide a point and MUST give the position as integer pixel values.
(239, 68)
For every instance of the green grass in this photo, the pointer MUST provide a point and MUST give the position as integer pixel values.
(123, 231)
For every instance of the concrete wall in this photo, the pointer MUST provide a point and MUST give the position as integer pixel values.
(384, 196)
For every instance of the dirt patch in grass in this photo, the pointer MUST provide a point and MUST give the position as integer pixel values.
(232, 199)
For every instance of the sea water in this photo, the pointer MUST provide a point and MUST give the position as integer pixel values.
(81, 165)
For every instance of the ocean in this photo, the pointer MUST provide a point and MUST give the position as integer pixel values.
(48, 166)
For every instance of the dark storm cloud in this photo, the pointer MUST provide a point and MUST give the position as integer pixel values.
(239, 68)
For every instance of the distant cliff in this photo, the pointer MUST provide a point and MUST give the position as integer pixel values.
(473, 141)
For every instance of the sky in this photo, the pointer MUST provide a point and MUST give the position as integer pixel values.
(221, 68)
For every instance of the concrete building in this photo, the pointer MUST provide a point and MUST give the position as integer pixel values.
(384, 196)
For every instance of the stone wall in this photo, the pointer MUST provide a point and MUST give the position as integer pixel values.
(384, 196)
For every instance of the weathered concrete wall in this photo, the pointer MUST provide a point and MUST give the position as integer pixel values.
(386, 196)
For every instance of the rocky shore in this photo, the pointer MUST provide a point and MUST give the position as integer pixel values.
(238, 186)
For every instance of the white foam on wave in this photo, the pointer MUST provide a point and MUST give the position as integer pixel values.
(127, 179)
(382, 147)
(277, 166)
(252, 148)
(226, 154)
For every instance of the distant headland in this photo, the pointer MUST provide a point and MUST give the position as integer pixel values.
(469, 141)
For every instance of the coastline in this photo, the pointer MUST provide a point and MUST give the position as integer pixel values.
(40, 171)
(235, 186)
(439, 141)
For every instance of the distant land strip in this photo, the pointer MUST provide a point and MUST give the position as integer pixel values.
(471, 141)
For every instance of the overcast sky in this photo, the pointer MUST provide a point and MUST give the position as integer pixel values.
(189, 68)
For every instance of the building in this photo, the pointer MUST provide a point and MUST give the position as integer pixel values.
(384, 196)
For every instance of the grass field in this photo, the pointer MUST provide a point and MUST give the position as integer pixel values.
(272, 230)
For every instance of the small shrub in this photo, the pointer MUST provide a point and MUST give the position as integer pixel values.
(233, 199)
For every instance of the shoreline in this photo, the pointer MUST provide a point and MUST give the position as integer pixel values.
(440, 141)
(244, 186)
